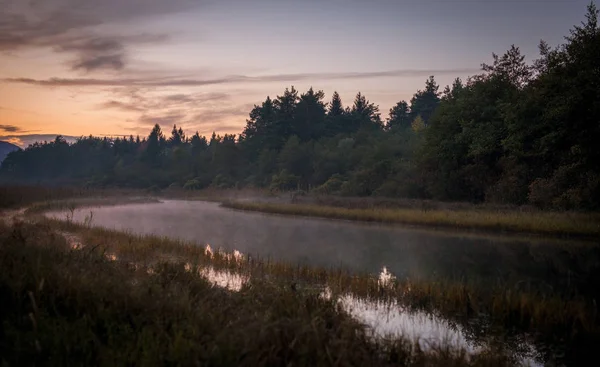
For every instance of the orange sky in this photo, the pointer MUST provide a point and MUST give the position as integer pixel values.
(116, 67)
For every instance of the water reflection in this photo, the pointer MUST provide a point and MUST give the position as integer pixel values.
(224, 279)
(541, 264)
(386, 278)
(402, 252)
(385, 319)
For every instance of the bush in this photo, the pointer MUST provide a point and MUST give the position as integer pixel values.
(284, 180)
(332, 186)
(567, 188)
(222, 182)
(193, 184)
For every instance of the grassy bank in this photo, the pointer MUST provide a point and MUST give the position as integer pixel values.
(64, 304)
(554, 317)
(72, 204)
(19, 196)
(543, 223)
(88, 295)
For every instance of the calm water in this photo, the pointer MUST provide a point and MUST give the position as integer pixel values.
(404, 251)
(363, 247)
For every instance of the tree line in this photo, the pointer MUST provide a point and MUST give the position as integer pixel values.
(517, 133)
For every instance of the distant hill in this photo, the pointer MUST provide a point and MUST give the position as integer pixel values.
(6, 148)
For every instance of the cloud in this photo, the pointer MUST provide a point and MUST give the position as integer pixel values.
(219, 114)
(208, 129)
(183, 99)
(121, 106)
(72, 26)
(10, 128)
(137, 101)
(167, 119)
(25, 140)
(14, 140)
(115, 62)
(173, 82)
(42, 22)
(103, 52)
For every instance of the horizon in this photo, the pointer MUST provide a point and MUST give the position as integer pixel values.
(115, 68)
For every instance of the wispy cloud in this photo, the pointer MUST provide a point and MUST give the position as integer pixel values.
(142, 101)
(10, 128)
(169, 82)
(121, 106)
(219, 114)
(71, 26)
(27, 139)
(103, 52)
(167, 119)
(219, 128)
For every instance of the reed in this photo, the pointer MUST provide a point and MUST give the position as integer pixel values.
(544, 223)
(529, 309)
(77, 306)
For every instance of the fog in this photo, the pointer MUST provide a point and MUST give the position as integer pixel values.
(355, 246)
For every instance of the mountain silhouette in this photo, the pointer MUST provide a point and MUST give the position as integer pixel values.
(5, 148)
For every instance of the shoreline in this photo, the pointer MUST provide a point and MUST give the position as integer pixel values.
(522, 225)
(454, 299)
(578, 226)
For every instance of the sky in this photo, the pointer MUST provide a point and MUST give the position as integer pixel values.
(117, 67)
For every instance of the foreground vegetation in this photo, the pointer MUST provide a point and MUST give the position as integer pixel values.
(544, 223)
(63, 283)
(72, 304)
(94, 296)
(517, 133)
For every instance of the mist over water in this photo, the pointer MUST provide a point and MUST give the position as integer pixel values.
(390, 251)
(359, 247)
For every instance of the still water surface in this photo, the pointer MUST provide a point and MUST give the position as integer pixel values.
(533, 262)
(403, 251)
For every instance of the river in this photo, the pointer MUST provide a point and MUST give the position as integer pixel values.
(404, 251)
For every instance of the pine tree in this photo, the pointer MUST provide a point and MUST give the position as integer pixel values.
(425, 102)
(399, 117)
(154, 146)
(177, 137)
(335, 106)
(364, 113)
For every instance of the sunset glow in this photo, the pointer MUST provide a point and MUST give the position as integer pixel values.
(80, 67)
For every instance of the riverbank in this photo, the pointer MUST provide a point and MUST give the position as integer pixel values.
(559, 224)
(485, 311)
(427, 214)
(78, 295)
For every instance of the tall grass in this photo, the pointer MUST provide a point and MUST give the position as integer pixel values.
(17, 196)
(76, 307)
(87, 202)
(529, 309)
(544, 223)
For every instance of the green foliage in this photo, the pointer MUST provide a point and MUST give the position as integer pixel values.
(425, 102)
(332, 186)
(222, 182)
(193, 184)
(418, 124)
(73, 305)
(399, 117)
(514, 134)
(284, 180)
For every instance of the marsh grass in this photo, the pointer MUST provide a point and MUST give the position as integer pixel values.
(38, 248)
(543, 223)
(509, 306)
(65, 306)
(17, 196)
(71, 204)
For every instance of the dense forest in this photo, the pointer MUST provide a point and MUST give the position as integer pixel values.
(518, 133)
